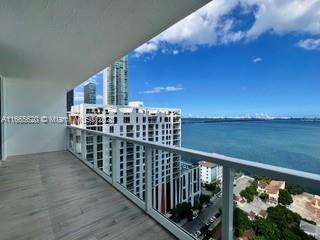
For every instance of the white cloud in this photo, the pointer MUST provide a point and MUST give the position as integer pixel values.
(163, 89)
(99, 97)
(256, 60)
(281, 17)
(214, 24)
(309, 44)
(147, 47)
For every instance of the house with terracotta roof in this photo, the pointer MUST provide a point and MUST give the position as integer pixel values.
(272, 189)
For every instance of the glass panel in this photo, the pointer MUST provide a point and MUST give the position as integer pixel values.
(70, 139)
(180, 195)
(132, 168)
(77, 142)
(89, 148)
(74, 143)
(105, 155)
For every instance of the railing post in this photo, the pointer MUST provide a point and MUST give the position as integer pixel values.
(115, 160)
(83, 144)
(95, 151)
(227, 203)
(148, 165)
(74, 148)
(68, 139)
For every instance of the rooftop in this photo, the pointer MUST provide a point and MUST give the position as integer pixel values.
(207, 164)
(55, 196)
(274, 186)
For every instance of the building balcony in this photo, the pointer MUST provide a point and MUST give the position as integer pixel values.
(46, 192)
(55, 196)
(221, 204)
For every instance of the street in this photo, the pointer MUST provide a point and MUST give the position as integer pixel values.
(204, 216)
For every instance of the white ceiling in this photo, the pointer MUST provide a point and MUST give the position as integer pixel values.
(70, 40)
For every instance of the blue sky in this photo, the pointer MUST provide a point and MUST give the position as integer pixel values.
(232, 58)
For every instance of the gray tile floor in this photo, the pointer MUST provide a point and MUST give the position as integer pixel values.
(54, 196)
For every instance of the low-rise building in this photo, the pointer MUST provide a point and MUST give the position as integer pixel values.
(271, 189)
(210, 172)
(316, 202)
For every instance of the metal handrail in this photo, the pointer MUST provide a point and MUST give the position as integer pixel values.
(230, 165)
(310, 180)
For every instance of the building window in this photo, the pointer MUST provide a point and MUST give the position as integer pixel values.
(126, 119)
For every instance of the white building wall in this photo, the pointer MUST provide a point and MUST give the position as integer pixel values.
(210, 174)
(158, 125)
(33, 98)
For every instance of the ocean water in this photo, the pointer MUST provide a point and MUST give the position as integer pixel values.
(287, 143)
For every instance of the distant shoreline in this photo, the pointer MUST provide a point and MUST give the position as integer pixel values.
(217, 120)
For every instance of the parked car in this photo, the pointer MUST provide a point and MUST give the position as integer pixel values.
(211, 228)
(218, 214)
(195, 214)
(197, 234)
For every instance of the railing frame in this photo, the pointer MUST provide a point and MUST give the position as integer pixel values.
(229, 164)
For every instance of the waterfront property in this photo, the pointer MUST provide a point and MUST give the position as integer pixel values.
(271, 189)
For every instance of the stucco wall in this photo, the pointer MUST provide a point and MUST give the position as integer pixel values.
(35, 98)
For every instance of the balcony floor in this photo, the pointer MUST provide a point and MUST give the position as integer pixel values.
(55, 196)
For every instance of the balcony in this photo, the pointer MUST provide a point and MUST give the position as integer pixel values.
(55, 196)
(46, 49)
(222, 227)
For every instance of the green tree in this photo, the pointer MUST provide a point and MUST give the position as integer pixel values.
(266, 228)
(197, 206)
(264, 196)
(288, 234)
(212, 186)
(283, 217)
(287, 222)
(294, 189)
(285, 197)
(259, 238)
(181, 211)
(241, 222)
(247, 195)
(249, 192)
(263, 178)
(204, 199)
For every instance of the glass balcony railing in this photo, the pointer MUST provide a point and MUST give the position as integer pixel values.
(241, 198)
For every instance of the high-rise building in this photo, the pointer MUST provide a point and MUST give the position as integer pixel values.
(115, 83)
(70, 96)
(90, 93)
(171, 185)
